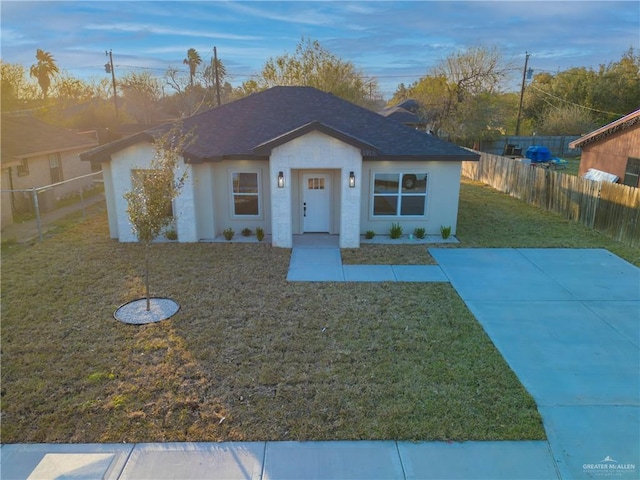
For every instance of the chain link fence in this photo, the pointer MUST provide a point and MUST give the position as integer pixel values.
(39, 206)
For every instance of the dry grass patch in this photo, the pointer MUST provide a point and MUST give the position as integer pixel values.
(385, 254)
(252, 357)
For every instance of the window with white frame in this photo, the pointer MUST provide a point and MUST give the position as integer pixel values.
(399, 194)
(245, 193)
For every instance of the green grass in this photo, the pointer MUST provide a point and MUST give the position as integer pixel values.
(251, 356)
(572, 166)
(488, 218)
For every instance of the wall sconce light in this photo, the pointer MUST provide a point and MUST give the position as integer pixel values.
(280, 180)
(352, 180)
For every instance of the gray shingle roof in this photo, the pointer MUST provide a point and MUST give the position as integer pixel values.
(401, 115)
(24, 137)
(247, 127)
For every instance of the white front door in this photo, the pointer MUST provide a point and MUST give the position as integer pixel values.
(316, 202)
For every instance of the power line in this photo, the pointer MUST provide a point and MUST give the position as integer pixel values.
(572, 103)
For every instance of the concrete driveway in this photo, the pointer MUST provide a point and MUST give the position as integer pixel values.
(567, 321)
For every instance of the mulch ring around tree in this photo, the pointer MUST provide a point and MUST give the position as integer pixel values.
(135, 312)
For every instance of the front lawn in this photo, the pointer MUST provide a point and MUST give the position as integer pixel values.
(250, 356)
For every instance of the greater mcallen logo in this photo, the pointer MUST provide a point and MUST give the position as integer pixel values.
(609, 467)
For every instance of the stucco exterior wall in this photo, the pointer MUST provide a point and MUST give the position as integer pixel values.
(40, 173)
(112, 206)
(136, 157)
(205, 217)
(213, 198)
(443, 191)
(205, 206)
(611, 154)
(315, 151)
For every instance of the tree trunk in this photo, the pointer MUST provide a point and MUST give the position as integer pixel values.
(146, 276)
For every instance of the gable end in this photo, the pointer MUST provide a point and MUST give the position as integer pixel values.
(266, 147)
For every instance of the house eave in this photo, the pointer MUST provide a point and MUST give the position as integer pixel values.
(102, 153)
(197, 159)
(603, 132)
(38, 153)
(423, 158)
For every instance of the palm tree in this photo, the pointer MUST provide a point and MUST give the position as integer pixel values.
(193, 60)
(44, 70)
(210, 71)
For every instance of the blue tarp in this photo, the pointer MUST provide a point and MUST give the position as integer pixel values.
(536, 153)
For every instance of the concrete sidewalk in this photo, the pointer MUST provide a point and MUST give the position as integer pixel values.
(366, 460)
(566, 321)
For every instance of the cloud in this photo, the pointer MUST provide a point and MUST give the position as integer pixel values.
(395, 40)
(157, 30)
(11, 38)
(310, 14)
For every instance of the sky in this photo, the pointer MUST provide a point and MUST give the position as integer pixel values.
(393, 41)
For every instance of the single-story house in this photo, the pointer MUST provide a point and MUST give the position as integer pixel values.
(614, 148)
(407, 112)
(37, 154)
(294, 160)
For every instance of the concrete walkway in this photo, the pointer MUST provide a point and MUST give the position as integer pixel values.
(566, 321)
(316, 258)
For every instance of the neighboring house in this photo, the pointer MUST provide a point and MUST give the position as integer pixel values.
(614, 148)
(36, 154)
(407, 113)
(294, 160)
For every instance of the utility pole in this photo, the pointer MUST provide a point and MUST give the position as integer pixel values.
(524, 78)
(215, 70)
(108, 67)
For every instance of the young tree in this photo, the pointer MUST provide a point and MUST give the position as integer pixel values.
(43, 70)
(193, 60)
(149, 202)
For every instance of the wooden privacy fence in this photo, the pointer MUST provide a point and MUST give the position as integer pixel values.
(610, 208)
